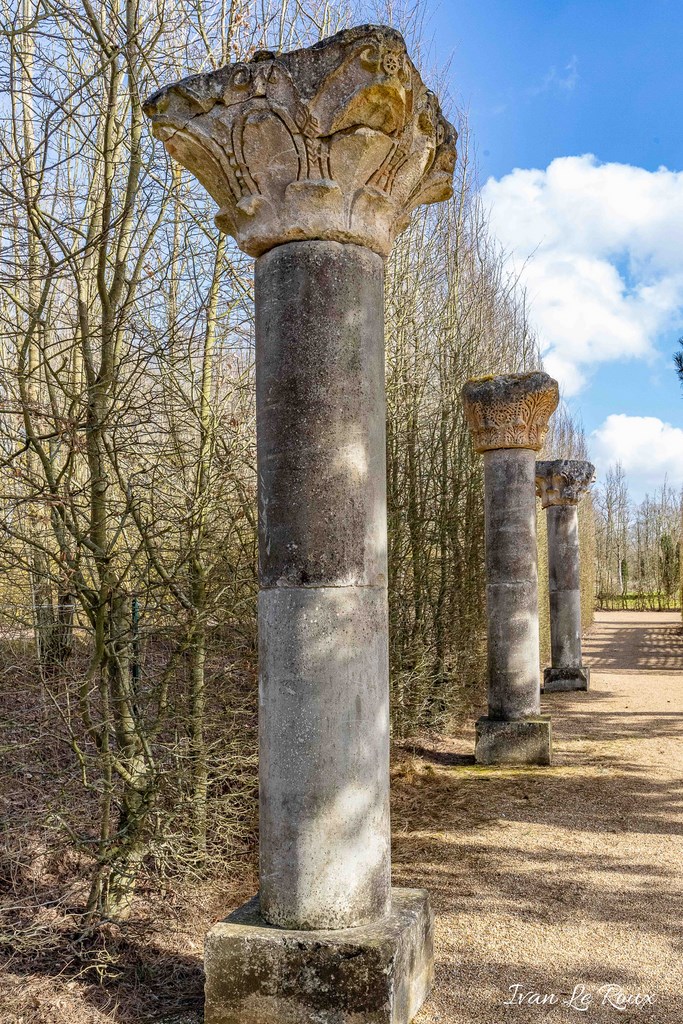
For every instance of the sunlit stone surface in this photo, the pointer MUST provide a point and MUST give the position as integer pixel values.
(340, 141)
(316, 159)
(508, 416)
(560, 485)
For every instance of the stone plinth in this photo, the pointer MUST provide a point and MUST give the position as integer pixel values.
(521, 741)
(316, 159)
(374, 974)
(558, 679)
(561, 484)
(508, 417)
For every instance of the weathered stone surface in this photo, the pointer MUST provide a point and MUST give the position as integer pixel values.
(564, 569)
(321, 416)
(512, 583)
(563, 481)
(564, 586)
(323, 617)
(324, 756)
(377, 974)
(511, 410)
(304, 150)
(565, 628)
(527, 741)
(508, 416)
(560, 679)
(560, 485)
(340, 141)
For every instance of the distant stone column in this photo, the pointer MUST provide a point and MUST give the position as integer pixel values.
(560, 485)
(508, 416)
(316, 159)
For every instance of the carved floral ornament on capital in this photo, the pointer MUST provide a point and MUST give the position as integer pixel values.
(339, 141)
(563, 481)
(511, 411)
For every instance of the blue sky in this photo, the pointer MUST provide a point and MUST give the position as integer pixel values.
(546, 78)
(544, 81)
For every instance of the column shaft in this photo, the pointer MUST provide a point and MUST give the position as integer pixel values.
(323, 621)
(564, 586)
(512, 583)
(316, 158)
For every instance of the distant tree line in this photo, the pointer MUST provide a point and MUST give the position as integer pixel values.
(637, 545)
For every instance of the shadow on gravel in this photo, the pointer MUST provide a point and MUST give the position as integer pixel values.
(447, 758)
(589, 990)
(634, 649)
(454, 854)
(460, 837)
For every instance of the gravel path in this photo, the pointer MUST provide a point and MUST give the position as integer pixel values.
(566, 879)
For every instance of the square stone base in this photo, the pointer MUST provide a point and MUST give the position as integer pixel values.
(527, 741)
(374, 974)
(556, 679)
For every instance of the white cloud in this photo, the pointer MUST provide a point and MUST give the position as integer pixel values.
(647, 448)
(603, 263)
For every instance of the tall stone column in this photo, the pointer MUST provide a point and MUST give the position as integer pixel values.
(316, 159)
(508, 417)
(560, 485)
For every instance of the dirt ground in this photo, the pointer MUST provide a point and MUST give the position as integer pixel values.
(567, 879)
(560, 880)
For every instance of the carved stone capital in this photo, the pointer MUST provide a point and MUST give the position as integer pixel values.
(563, 481)
(510, 411)
(339, 142)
